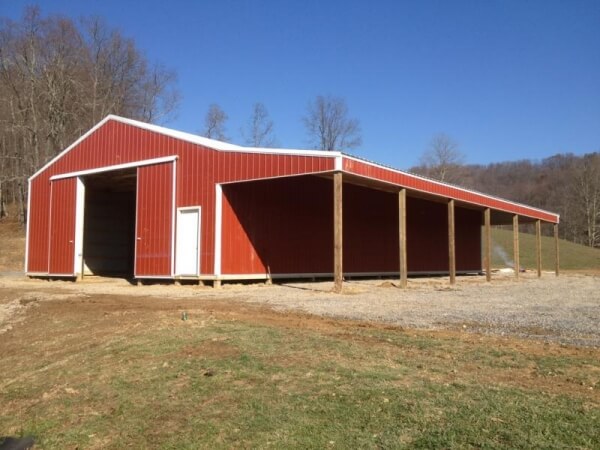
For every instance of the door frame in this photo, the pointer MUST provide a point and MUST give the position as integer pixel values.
(199, 236)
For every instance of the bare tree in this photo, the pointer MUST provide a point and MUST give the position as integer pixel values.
(586, 198)
(57, 79)
(259, 131)
(442, 159)
(214, 123)
(328, 126)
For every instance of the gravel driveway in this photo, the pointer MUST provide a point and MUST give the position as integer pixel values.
(564, 309)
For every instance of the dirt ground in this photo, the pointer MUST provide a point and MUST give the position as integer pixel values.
(12, 246)
(564, 310)
(54, 334)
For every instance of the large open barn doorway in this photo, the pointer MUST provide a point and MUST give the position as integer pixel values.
(109, 223)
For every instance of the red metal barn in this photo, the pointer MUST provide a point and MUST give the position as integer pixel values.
(144, 201)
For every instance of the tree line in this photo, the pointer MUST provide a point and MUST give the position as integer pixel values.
(567, 184)
(58, 78)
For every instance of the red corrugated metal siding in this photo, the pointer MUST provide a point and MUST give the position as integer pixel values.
(370, 230)
(198, 168)
(468, 239)
(38, 226)
(427, 237)
(285, 226)
(387, 175)
(62, 227)
(153, 226)
(282, 226)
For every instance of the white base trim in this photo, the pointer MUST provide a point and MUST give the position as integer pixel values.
(154, 277)
(265, 276)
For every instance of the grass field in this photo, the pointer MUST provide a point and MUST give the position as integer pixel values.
(114, 372)
(572, 256)
(105, 371)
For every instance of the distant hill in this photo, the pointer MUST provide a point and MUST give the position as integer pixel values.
(566, 184)
(572, 256)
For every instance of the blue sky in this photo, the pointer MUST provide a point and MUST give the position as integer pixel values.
(506, 79)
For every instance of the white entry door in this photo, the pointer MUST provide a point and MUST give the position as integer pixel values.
(188, 241)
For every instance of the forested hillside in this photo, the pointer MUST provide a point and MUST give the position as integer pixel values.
(563, 183)
(58, 78)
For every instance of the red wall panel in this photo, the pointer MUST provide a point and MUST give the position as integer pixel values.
(62, 226)
(282, 226)
(154, 212)
(38, 226)
(285, 226)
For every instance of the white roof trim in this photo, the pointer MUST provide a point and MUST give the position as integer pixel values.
(440, 183)
(129, 165)
(226, 147)
(188, 137)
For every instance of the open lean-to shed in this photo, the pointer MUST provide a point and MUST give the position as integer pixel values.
(145, 201)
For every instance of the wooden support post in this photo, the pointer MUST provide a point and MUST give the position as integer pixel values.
(556, 252)
(337, 232)
(538, 246)
(402, 236)
(487, 232)
(517, 262)
(451, 243)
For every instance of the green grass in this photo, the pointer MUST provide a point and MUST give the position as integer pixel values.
(296, 388)
(572, 256)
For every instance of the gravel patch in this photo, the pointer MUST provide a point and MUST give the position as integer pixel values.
(564, 310)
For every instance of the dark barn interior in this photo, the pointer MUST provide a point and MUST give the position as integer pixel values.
(109, 223)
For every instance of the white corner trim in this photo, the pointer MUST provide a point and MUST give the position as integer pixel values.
(28, 225)
(49, 229)
(218, 224)
(79, 224)
(140, 163)
(339, 166)
(173, 214)
(135, 234)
